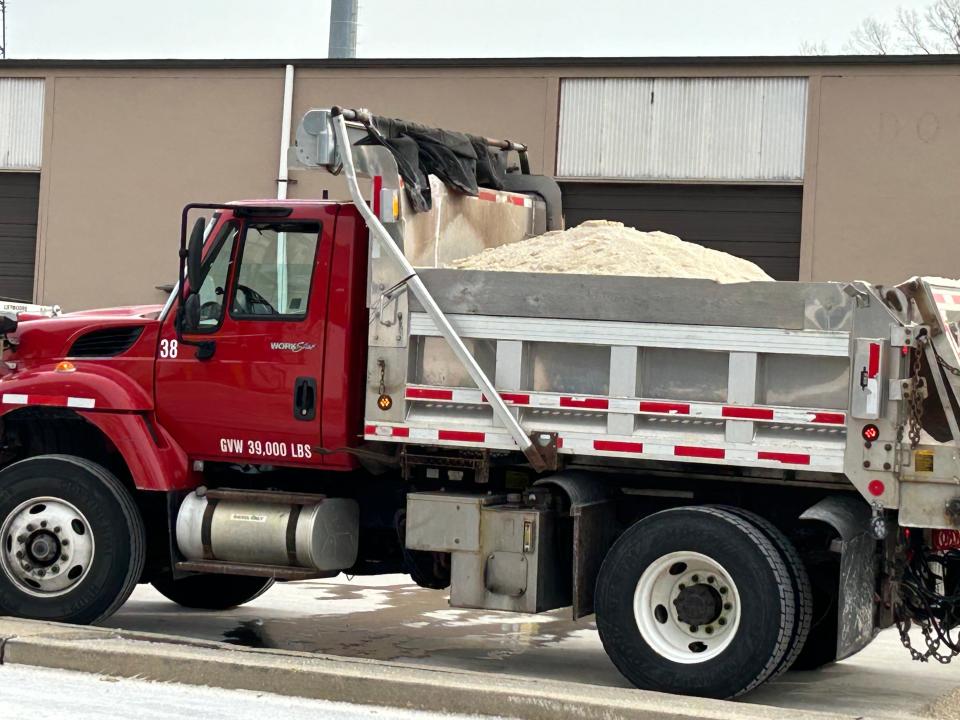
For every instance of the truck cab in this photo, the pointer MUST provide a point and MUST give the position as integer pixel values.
(282, 328)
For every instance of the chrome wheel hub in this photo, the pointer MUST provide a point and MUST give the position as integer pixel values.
(47, 546)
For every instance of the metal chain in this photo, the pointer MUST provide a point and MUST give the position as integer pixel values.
(916, 400)
(929, 636)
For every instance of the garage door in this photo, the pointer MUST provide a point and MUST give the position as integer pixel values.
(19, 198)
(759, 223)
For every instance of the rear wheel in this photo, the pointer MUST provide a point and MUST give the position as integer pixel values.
(803, 591)
(212, 592)
(71, 540)
(695, 601)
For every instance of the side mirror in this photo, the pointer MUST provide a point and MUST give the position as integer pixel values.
(191, 312)
(195, 254)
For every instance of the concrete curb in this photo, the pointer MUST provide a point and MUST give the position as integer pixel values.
(171, 659)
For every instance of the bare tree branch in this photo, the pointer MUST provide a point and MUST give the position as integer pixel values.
(872, 37)
(912, 34)
(810, 48)
(943, 19)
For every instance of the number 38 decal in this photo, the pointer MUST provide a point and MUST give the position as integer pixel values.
(169, 348)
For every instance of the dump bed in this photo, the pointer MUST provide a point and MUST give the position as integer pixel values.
(847, 385)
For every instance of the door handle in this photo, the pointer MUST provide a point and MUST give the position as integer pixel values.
(305, 398)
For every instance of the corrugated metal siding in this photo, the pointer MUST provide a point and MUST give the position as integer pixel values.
(21, 123)
(726, 129)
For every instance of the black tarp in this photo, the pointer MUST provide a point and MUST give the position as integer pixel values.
(461, 161)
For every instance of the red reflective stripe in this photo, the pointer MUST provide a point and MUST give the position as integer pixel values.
(748, 413)
(830, 418)
(487, 195)
(47, 400)
(939, 298)
(701, 452)
(590, 403)
(517, 199)
(792, 458)
(377, 185)
(664, 407)
(559, 442)
(429, 394)
(618, 446)
(391, 431)
(516, 398)
(461, 436)
(873, 366)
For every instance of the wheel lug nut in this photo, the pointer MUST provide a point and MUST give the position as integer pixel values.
(19, 554)
(63, 558)
(723, 591)
(722, 621)
(709, 629)
(43, 523)
(27, 566)
(55, 569)
(41, 573)
(728, 606)
(21, 539)
(30, 528)
(694, 628)
(681, 586)
(711, 579)
(67, 542)
(57, 529)
(695, 578)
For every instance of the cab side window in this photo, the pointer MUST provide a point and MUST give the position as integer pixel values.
(275, 272)
(216, 268)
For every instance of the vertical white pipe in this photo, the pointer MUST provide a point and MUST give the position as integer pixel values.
(283, 179)
(284, 175)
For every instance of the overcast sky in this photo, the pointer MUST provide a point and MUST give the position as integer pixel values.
(433, 28)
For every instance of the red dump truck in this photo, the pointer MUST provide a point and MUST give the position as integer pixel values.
(734, 478)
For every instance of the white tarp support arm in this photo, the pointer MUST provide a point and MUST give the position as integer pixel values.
(413, 281)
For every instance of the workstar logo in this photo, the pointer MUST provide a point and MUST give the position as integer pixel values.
(292, 346)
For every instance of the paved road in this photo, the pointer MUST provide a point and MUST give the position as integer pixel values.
(28, 693)
(388, 618)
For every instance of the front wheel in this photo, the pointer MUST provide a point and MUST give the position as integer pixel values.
(72, 541)
(695, 601)
(211, 592)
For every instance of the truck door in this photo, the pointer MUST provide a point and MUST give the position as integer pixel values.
(263, 306)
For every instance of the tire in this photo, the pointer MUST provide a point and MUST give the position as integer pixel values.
(803, 591)
(212, 592)
(739, 623)
(79, 536)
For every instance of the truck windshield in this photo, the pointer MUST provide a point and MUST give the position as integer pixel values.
(276, 267)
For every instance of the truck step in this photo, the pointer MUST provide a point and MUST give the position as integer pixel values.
(278, 572)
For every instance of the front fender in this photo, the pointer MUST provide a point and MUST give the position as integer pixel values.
(92, 387)
(154, 459)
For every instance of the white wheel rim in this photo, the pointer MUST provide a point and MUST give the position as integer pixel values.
(47, 547)
(659, 620)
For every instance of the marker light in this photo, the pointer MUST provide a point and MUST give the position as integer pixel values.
(65, 367)
(876, 487)
(384, 402)
(870, 432)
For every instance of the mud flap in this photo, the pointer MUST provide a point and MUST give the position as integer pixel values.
(856, 594)
(594, 526)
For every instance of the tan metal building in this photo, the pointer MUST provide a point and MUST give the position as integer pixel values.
(816, 168)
